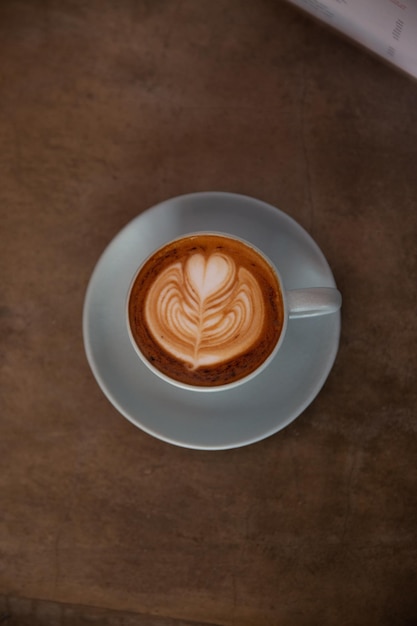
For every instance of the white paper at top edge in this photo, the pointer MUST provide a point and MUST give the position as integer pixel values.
(387, 27)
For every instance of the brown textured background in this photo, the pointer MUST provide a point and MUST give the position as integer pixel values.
(106, 108)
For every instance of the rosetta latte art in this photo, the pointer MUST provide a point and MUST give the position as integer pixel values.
(205, 310)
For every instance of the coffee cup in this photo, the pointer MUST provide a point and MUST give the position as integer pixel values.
(208, 311)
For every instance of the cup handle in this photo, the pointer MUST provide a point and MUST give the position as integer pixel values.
(313, 302)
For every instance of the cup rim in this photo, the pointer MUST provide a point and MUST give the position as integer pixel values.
(213, 388)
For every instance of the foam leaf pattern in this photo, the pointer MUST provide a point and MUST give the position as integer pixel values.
(205, 310)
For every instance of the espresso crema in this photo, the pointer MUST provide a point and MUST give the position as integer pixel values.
(206, 310)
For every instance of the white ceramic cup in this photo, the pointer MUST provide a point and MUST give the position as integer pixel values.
(297, 303)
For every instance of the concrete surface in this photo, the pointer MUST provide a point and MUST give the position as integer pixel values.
(107, 108)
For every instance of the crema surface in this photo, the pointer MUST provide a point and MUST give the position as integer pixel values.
(206, 310)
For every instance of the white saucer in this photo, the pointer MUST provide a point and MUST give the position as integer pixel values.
(225, 419)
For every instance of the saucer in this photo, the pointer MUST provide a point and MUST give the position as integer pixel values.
(233, 417)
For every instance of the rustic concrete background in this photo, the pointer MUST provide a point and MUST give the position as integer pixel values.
(106, 108)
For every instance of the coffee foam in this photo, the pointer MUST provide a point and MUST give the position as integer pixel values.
(205, 310)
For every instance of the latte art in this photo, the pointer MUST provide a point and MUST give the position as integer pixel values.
(205, 310)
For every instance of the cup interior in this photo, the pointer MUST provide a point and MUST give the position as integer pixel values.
(212, 387)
